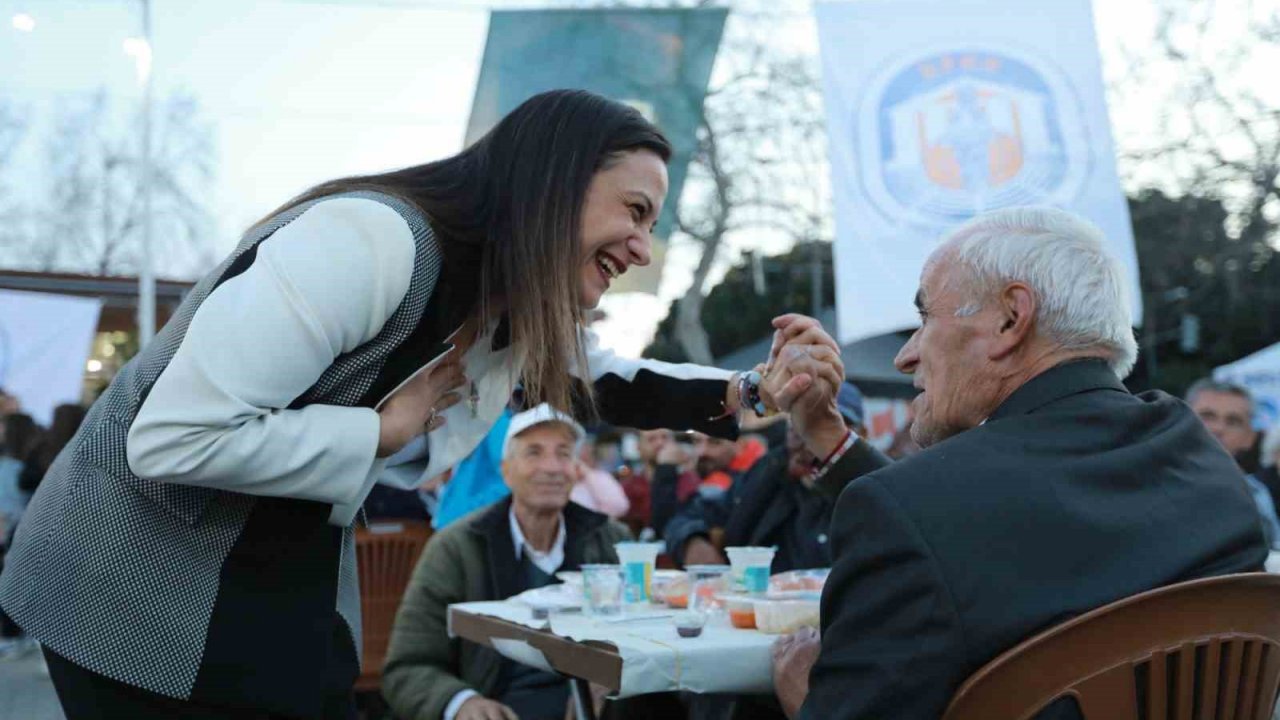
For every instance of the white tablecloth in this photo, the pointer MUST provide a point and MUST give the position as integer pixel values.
(654, 658)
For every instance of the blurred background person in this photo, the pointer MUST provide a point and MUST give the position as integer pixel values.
(596, 489)
(715, 461)
(66, 422)
(21, 435)
(1226, 410)
(513, 545)
(9, 404)
(1269, 473)
(772, 505)
(663, 481)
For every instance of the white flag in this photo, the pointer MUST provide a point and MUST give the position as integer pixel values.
(45, 340)
(941, 109)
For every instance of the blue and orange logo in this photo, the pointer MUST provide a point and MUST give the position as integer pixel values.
(955, 133)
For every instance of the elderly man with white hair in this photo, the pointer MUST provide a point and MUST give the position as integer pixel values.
(1044, 490)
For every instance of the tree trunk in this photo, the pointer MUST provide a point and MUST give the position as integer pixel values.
(689, 331)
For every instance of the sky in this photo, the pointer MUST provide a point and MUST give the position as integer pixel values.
(299, 91)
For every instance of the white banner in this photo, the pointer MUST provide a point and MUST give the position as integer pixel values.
(941, 109)
(1260, 374)
(45, 340)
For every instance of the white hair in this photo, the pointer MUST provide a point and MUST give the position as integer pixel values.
(1271, 446)
(1082, 301)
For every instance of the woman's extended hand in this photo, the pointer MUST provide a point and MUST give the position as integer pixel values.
(418, 406)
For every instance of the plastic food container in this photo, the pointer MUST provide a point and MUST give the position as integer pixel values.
(637, 560)
(689, 624)
(665, 580)
(786, 615)
(812, 580)
(742, 611)
(705, 583)
(751, 567)
(676, 593)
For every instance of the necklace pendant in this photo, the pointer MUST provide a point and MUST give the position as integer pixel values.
(473, 400)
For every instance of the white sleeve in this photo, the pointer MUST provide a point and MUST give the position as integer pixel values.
(451, 710)
(602, 362)
(319, 287)
(644, 393)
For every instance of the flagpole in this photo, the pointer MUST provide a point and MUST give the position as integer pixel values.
(146, 270)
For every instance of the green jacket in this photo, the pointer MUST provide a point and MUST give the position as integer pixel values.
(472, 559)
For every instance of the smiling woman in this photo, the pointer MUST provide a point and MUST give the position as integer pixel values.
(195, 540)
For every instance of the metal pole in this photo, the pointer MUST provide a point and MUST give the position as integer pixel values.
(815, 278)
(584, 707)
(146, 273)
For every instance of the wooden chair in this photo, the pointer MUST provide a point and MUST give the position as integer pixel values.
(386, 554)
(1201, 650)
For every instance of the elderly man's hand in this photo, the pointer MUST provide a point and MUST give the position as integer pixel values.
(803, 382)
(793, 657)
(796, 329)
(479, 707)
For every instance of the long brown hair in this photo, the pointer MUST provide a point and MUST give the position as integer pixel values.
(510, 206)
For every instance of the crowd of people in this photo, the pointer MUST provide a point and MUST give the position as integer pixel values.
(26, 451)
(191, 551)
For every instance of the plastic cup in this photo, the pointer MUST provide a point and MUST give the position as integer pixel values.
(742, 611)
(706, 582)
(637, 560)
(751, 567)
(602, 589)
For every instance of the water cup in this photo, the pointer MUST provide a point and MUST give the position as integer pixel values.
(602, 589)
(751, 567)
(706, 582)
(637, 560)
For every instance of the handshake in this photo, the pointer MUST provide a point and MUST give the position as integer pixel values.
(802, 377)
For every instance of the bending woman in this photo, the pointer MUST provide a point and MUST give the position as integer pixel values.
(191, 550)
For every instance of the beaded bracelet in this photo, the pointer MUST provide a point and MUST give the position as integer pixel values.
(821, 468)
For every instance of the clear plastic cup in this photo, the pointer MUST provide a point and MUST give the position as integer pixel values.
(751, 567)
(602, 589)
(742, 610)
(706, 582)
(637, 560)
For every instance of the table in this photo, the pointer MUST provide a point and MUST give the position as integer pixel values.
(632, 655)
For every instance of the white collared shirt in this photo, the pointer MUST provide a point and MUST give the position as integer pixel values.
(548, 562)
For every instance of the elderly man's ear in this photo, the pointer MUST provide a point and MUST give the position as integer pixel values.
(1015, 321)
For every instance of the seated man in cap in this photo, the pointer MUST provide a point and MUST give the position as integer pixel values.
(773, 504)
(513, 545)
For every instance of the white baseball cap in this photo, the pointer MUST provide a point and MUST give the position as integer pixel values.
(541, 415)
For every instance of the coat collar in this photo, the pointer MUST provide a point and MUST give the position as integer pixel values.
(1069, 378)
(494, 528)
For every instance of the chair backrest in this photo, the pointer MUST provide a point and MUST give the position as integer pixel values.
(1202, 650)
(386, 554)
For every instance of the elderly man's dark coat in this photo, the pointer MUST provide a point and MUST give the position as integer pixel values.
(1073, 494)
